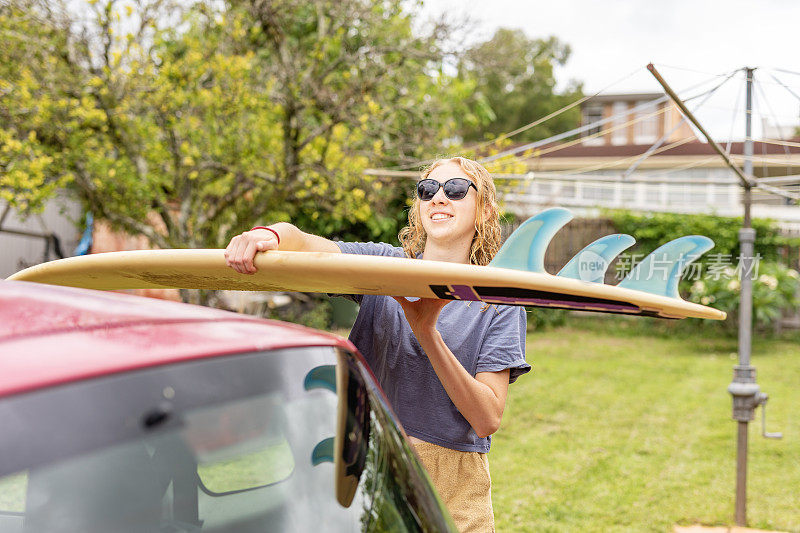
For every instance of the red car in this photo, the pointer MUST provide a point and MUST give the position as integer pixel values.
(125, 414)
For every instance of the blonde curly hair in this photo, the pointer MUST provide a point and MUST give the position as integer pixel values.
(487, 238)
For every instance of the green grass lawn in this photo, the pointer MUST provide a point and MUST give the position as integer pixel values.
(624, 428)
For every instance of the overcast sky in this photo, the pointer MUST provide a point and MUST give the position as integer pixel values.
(612, 38)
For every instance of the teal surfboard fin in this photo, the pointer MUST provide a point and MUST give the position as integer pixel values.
(660, 272)
(591, 263)
(323, 452)
(524, 249)
(321, 377)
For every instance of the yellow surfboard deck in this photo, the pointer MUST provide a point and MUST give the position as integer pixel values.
(355, 274)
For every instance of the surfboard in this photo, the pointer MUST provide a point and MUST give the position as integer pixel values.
(515, 277)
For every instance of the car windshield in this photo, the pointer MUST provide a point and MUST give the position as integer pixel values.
(242, 443)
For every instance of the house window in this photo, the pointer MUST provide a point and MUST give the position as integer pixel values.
(723, 196)
(592, 114)
(698, 195)
(646, 128)
(676, 195)
(545, 188)
(628, 192)
(619, 133)
(598, 192)
(653, 193)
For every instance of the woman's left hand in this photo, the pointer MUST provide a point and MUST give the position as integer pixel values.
(422, 314)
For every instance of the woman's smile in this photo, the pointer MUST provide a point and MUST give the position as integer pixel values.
(441, 217)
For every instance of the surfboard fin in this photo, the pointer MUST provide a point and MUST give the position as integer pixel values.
(323, 452)
(524, 249)
(591, 263)
(660, 272)
(321, 377)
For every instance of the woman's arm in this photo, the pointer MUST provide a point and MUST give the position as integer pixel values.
(242, 249)
(480, 399)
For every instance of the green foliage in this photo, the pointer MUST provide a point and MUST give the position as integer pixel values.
(190, 122)
(224, 115)
(540, 319)
(310, 310)
(514, 76)
(31, 114)
(653, 230)
(775, 293)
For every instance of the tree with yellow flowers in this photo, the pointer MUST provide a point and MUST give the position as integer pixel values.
(187, 123)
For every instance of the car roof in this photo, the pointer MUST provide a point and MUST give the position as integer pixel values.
(56, 335)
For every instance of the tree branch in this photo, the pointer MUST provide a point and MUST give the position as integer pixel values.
(131, 225)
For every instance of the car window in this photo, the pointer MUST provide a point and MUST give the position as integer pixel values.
(241, 443)
(401, 497)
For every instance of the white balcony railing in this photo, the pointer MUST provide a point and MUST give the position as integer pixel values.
(526, 195)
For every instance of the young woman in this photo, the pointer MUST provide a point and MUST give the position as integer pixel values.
(444, 365)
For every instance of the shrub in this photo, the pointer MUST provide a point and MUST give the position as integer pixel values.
(310, 310)
(775, 292)
(653, 230)
(541, 318)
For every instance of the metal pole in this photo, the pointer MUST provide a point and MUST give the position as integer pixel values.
(745, 373)
(746, 394)
(741, 474)
(747, 236)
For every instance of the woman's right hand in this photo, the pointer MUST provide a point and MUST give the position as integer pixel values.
(243, 248)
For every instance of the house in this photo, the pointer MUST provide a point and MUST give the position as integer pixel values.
(52, 234)
(634, 151)
(632, 119)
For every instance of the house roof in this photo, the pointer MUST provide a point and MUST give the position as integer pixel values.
(692, 148)
(623, 97)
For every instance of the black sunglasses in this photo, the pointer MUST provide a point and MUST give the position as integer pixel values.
(454, 188)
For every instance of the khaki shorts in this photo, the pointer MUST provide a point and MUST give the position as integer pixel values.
(464, 485)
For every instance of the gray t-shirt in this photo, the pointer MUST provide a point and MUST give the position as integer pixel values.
(483, 339)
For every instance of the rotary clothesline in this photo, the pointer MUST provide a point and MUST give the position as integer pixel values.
(550, 149)
(576, 131)
(779, 143)
(636, 110)
(653, 149)
(588, 127)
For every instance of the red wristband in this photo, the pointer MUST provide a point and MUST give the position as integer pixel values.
(278, 237)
